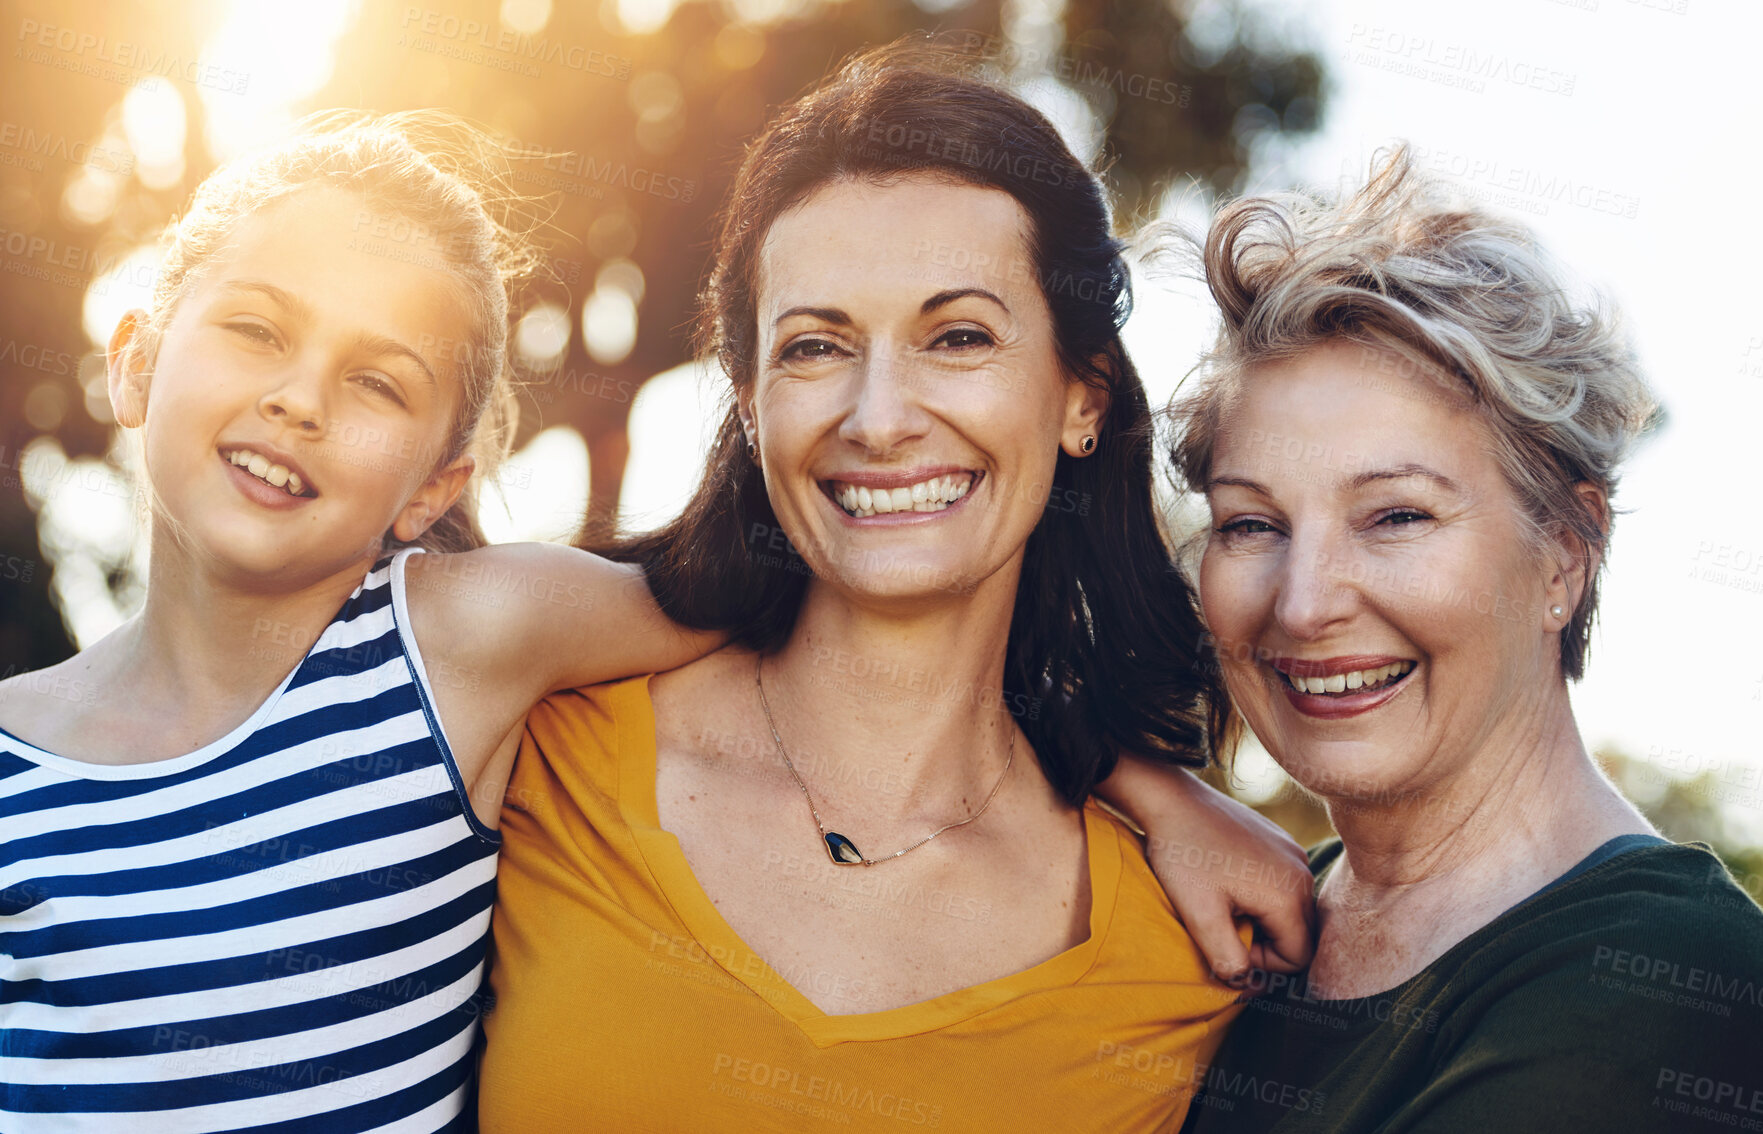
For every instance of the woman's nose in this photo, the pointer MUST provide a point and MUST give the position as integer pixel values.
(887, 409)
(1315, 591)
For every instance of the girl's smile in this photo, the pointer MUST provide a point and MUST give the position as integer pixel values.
(292, 412)
(268, 466)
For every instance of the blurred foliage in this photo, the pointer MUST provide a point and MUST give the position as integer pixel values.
(672, 106)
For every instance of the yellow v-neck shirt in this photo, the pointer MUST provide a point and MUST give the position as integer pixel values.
(624, 1002)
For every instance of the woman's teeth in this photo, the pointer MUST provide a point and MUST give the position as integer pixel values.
(263, 469)
(1357, 681)
(931, 495)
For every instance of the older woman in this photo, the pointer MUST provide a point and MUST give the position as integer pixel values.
(1408, 438)
(846, 871)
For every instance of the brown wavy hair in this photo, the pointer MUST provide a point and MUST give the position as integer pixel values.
(1104, 640)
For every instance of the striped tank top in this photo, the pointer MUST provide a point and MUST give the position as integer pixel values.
(282, 931)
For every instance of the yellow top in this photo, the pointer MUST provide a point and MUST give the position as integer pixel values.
(623, 1000)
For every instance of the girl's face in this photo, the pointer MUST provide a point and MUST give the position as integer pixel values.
(1381, 619)
(303, 393)
(908, 400)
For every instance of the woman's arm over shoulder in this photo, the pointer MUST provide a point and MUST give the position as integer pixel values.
(544, 617)
(1219, 861)
(500, 627)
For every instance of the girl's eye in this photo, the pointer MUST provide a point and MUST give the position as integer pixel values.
(1402, 517)
(962, 338)
(808, 350)
(375, 384)
(255, 332)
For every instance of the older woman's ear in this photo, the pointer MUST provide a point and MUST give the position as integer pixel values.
(1579, 560)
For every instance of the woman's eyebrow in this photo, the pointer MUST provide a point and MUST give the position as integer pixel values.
(954, 293)
(1369, 476)
(1240, 482)
(1399, 472)
(826, 314)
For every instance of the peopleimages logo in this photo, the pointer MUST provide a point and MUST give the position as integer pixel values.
(99, 57)
(474, 41)
(40, 145)
(1004, 159)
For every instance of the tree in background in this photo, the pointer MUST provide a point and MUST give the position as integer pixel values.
(637, 122)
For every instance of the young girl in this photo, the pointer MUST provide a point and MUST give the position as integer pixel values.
(249, 885)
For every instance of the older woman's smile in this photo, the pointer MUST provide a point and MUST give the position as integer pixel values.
(1341, 686)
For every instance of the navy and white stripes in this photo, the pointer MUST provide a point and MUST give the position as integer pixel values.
(283, 931)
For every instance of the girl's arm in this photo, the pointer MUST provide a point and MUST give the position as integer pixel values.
(1219, 861)
(502, 626)
(544, 617)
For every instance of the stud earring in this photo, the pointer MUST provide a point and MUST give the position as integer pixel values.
(752, 452)
(1556, 610)
(1088, 444)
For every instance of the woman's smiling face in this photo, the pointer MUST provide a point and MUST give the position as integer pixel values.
(908, 399)
(1379, 614)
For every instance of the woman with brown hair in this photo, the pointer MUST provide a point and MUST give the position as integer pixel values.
(847, 869)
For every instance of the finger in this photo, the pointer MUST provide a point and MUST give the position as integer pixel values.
(1285, 940)
(1210, 924)
(1266, 961)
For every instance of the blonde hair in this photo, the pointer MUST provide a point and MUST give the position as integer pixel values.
(1466, 297)
(450, 180)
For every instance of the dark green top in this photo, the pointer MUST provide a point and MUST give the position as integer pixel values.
(1625, 996)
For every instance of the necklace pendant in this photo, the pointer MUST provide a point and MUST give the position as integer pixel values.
(842, 850)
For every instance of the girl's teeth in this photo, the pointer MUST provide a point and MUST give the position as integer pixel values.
(264, 469)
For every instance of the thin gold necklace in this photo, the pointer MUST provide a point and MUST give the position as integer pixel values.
(839, 848)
